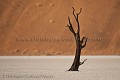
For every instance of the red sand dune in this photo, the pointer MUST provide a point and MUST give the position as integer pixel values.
(24, 21)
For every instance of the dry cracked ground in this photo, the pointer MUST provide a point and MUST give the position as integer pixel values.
(55, 68)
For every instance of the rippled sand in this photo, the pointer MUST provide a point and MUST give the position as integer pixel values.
(55, 68)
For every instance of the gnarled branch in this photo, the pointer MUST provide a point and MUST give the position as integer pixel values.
(79, 43)
(83, 39)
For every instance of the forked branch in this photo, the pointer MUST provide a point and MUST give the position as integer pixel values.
(77, 14)
(76, 18)
(70, 26)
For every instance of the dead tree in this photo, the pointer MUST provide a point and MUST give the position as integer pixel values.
(80, 44)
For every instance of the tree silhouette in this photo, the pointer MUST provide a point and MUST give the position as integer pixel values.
(80, 44)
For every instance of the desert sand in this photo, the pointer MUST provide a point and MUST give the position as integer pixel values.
(55, 68)
(23, 23)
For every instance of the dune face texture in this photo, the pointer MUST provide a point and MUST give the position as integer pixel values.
(37, 27)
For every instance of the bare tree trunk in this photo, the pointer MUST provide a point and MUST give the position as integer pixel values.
(79, 43)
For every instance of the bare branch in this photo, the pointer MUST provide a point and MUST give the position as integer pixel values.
(73, 10)
(77, 14)
(80, 11)
(70, 26)
(82, 62)
(83, 39)
(82, 46)
(69, 21)
(74, 14)
(76, 18)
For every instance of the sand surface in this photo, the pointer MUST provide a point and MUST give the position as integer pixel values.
(54, 68)
(25, 24)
